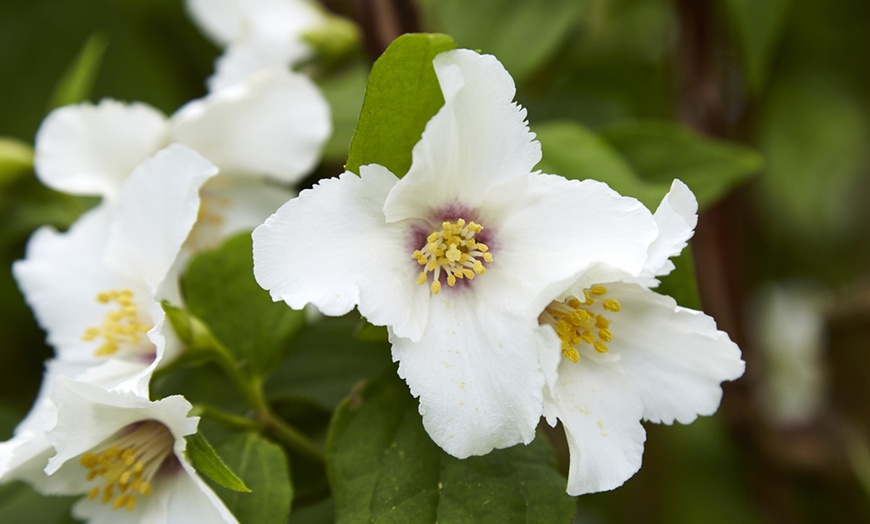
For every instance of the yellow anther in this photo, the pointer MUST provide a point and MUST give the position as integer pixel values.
(598, 290)
(453, 250)
(121, 327)
(580, 321)
(125, 466)
(571, 354)
(612, 305)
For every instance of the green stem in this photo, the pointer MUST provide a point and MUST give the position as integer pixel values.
(228, 419)
(252, 390)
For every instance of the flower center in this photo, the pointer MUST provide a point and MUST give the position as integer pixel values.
(454, 251)
(122, 327)
(127, 464)
(579, 322)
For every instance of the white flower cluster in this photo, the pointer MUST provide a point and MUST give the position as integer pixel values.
(508, 294)
(170, 186)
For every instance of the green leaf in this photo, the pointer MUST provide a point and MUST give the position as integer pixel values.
(521, 34)
(206, 461)
(326, 361)
(219, 289)
(383, 467)
(661, 151)
(681, 284)
(263, 467)
(402, 94)
(574, 152)
(757, 27)
(78, 81)
(21, 503)
(16, 157)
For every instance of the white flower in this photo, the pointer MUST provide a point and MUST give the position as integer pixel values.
(96, 289)
(257, 34)
(457, 258)
(126, 454)
(629, 354)
(274, 125)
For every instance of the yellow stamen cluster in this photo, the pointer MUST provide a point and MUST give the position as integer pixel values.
(128, 464)
(454, 251)
(121, 326)
(579, 322)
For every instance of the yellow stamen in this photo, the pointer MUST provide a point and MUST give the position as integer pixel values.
(454, 251)
(580, 321)
(127, 464)
(122, 328)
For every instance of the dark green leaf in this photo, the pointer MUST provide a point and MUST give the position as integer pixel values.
(326, 361)
(20, 503)
(383, 467)
(78, 81)
(521, 34)
(207, 462)
(660, 152)
(681, 284)
(263, 467)
(576, 153)
(219, 288)
(401, 96)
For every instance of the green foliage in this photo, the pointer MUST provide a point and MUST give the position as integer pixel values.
(207, 462)
(219, 288)
(401, 96)
(757, 27)
(20, 503)
(661, 151)
(344, 92)
(383, 467)
(326, 361)
(78, 81)
(641, 159)
(263, 467)
(523, 35)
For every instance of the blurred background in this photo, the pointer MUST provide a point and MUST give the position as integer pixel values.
(782, 262)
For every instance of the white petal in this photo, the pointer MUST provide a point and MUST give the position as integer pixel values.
(231, 205)
(88, 415)
(242, 59)
(546, 231)
(192, 501)
(159, 205)
(330, 247)
(91, 149)
(274, 124)
(477, 139)
(674, 356)
(220, 20)
(61, 277)
(477, 375)
(600, 411)
(277, 21)
(676, 218)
